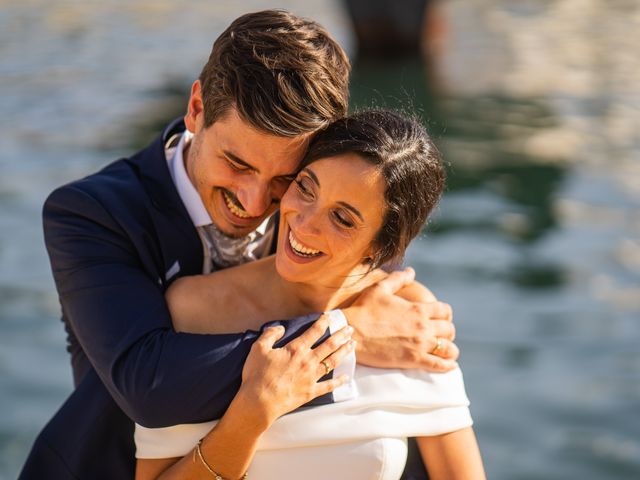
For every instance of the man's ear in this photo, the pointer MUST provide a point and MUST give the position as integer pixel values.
(194, 118)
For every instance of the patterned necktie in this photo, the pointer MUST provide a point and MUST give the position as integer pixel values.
(225, 251)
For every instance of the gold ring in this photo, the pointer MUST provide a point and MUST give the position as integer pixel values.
(327, 368)
(437, 347)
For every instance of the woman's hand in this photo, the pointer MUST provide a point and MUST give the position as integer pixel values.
(276, 381)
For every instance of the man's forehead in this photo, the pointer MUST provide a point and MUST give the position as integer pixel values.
(236, 120)
(263, 151)
(285, 164)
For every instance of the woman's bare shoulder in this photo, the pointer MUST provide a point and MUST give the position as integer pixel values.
(414, 291)
(215, 302)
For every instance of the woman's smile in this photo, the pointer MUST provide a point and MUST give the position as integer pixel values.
(298, 252)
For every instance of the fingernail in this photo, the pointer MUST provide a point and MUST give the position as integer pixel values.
(352, 345)
(349, 330)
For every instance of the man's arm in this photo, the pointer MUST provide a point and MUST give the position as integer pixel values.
(398, 326)
(118, 313)
(399, 321)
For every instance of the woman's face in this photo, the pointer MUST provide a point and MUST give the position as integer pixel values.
(329, 218)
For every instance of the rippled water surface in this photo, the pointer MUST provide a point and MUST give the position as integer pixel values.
(536, 106)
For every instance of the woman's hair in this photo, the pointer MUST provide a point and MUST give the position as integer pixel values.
(285, 75)
(400, 148)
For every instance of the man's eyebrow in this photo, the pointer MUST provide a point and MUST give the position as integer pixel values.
(239, 161)
(289, 176)
(353, 209)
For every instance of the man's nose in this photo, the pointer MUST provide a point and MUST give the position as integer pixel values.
(255, 198)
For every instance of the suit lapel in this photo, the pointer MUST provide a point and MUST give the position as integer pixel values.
(180, 244)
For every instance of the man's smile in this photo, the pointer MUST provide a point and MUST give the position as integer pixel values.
(234, 205)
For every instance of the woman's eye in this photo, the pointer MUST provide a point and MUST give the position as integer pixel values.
(342, 220)
(303, 189)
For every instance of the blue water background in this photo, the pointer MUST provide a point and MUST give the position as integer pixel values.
(536, 107)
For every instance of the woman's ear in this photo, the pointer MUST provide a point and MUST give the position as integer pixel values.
(369, 255)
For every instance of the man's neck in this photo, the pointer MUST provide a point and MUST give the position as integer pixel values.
(186, 163)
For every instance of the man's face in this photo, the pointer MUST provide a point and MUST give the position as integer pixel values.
(240, 172)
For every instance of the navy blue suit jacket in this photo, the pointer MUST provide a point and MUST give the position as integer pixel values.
(111, 238)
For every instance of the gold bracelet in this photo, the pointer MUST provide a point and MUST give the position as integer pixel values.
(215, 474)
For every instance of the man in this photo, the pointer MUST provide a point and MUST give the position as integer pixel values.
(193, 201)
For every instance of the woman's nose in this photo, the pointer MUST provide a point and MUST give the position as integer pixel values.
(308, 222)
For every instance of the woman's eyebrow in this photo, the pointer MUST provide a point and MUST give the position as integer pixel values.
(313, 176)
(352, 209)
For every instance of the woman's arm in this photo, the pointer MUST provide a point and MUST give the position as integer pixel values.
(274, 381)
(228, 448)
(452, 456)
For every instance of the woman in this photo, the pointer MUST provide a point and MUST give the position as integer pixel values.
(366, 187)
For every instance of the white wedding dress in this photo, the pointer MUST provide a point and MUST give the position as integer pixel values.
(358, 439)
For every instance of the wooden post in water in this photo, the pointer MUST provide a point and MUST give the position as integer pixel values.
(387, 28)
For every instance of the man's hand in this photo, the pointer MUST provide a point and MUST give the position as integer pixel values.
(399, 326)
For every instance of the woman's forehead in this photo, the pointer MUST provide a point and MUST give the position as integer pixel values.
(351, 179)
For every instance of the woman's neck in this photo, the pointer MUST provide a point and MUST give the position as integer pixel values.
(337, 293)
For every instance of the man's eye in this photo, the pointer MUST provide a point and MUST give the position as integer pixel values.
(288, 179)
(236, 166)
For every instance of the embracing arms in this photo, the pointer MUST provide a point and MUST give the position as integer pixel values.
(397, 321)
(111, 298)
(274, 382)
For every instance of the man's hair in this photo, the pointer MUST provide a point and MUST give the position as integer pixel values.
(284, 75)
(403, 152)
